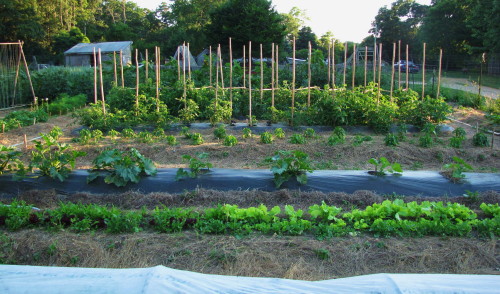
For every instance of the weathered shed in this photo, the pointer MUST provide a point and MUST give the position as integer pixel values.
(82, 53)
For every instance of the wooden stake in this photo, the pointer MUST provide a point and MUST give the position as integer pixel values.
(137, 78)
(3, 128)
(379, 73)
(102, 84)
(18, 67)
(392, 67)
(231, 75)
(333, 67)
(25, 142)
(216, 78)
(95, 76)
(147, 66)
(423, 74)
(329, 63)
(399, 64)
(189, 61)
(366, 64)
(121, 69)
(157, 56)
(244, 67)
(250, 83)
(272, 75)
(179, 66)
(354, 56)
(293, 79)
(345, 64)
(261, 74)
(439, 73)
(27, 71)
(407, 70)
(221, 67)
(184, 85)
(115, 73)
(277, 66)
(210, 63)
(309, 76)
(375, 63)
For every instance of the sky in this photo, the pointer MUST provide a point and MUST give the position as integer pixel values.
(348, 20)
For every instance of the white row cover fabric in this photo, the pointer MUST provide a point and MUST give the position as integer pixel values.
(34, 279)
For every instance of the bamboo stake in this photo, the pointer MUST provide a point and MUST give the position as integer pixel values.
(18, 67)
(277, 66)
(250, 123)
(25, 142)
(423, 74)
(392, 68)
(244, 66)
(345, 64)
(261, 74)
(147, 66)
(379, 72)
(375, 63)
(221, 67)
(121, 68)
(293, 80)
(216, 79)
(333, 67)
(354, 56)
(407, 70)
(231, 75)
(329, 63)
(399, 64)
(210, 63)
(157, 57)
(366, 64)
(115, 73)
(439, 72)
(27, 71)
(184, 93)
(309, 76)
(95, 77)
(137, 78)
(189, 61)
(272, 75)
(102, 84)
(179, 66)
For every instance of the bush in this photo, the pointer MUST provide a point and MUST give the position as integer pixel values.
(480, 140)
(266, 138)
(297, 139)
(197, 139)
(220, 132)
(279, 133)
(230, 140)
(64, 104)
(247, 133)
(391, 140)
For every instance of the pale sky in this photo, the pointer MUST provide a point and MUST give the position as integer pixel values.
(348, 20)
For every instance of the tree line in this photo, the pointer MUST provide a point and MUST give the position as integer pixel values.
(50, 27)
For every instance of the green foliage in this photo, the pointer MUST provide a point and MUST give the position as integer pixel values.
(196, 139)
(171, 140)
(87, 136)
(480, 140)
(197, 164)
(190, 112)
(287, 164)
(391, 140)
(128, 133)
(266, 138)
(65, 103)
(121, 167)
(426, 141)
(24, 118)
(220, 132)
(230, 140)
(457, 168)
(113, 134)
(9, 159)
(145, 137)
(158, 133)
(456, 142)
(338, 136)
(358, 140)
(279, 133)
(297, 139)
(310, 133)
(52, 158)
(247, 133)
(459, 133)
(220, 112)
(382, 163)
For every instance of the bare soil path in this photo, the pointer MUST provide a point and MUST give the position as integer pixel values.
(465, 85)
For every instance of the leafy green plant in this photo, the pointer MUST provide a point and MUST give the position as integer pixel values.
(310, 133)
(171, 140)
(113, 134)
(197, 139)
(279, 133)
(338, 137)
(159, 133)
(197, 164)
(247, 133)
(426, 141)
(145, 137)
(266, 138)
(287, 164)
(128, 133)
(121, 167)
(190, 112)
(220, 132)
(358, 140)
(52, 158)
(185, 131)
(230, 140)
(480, 140)
(9, 159)
(456, 142)
(401, 131)
(457, 168)
(391, 140)
(297, 139)
(382, 164)
(459, 132)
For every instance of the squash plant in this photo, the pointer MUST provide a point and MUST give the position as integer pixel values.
(121, 167)
(196, 166)
(9, 159)
(287, 164)
(381, 164)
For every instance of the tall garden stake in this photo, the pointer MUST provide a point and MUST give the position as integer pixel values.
(136, 78)
(95, 77)
(121, 69)
(379, 73)
(345, 64)
(423, 73)
(231, 75)
(309, 76)
(439, 72)
(366, 64)
(293, 79)
(272, 75)
(114, 69)
(102, 84)
(392, 67)
(250, 123)
(354, 56)
(261, 74)
(407, 68)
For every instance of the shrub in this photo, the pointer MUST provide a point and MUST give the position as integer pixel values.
(297, 139)
(247, 133)
(197, 139)
(220, 132)
(230, 140)
(456, 142)
(279, 133)
(391, 140)
(480, 140)
(310, 133)
(128, 133)
(266, 138)
(171, 140)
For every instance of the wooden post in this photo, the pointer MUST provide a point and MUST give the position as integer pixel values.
(333, 67)
(277, 66)
(309, 76)
(480, 82)
(221, 67)
(366, 64)
(216, 78)
(18, 67)
(272, 75)
(423, 73)
(329, 63)
(250, 83)
(184, 85)
(179, 65)
(102, 84)
(146, 66)
(3, 128)
(244, 66)
(210, 63)
(137, 78)
(379, 73)
(114, 69)
(392, 67)
(95, 76)
(121, 69)
(407, 70)
(157, 56)
(399, 64)
(189, 61)
(25, 142)
(27, 71)
(231, 75)
(439, 73)
(261, 74)
(345, 64)
(354, 56)
(375, 63)
(293, 79)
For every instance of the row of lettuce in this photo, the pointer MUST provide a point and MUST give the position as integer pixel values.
(389, 218)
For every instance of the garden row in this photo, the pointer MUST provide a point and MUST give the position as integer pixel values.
(389, 218)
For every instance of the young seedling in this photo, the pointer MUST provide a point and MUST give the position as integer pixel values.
(456, 169)
(287, 164)
(382, 164)
(197, 165)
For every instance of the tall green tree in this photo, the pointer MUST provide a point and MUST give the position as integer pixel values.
(244, 21)
(306, 35)
(484, 22)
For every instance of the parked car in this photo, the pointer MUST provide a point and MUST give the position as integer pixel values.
(412, 67)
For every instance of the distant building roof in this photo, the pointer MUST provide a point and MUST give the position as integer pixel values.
(88, 48)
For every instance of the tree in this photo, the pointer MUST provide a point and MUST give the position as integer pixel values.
(245, 21)
(484, 23)
(293, 21)
(306, 35)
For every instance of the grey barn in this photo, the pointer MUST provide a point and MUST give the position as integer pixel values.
(82, 53)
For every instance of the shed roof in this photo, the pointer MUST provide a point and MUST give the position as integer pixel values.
(88, 48)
